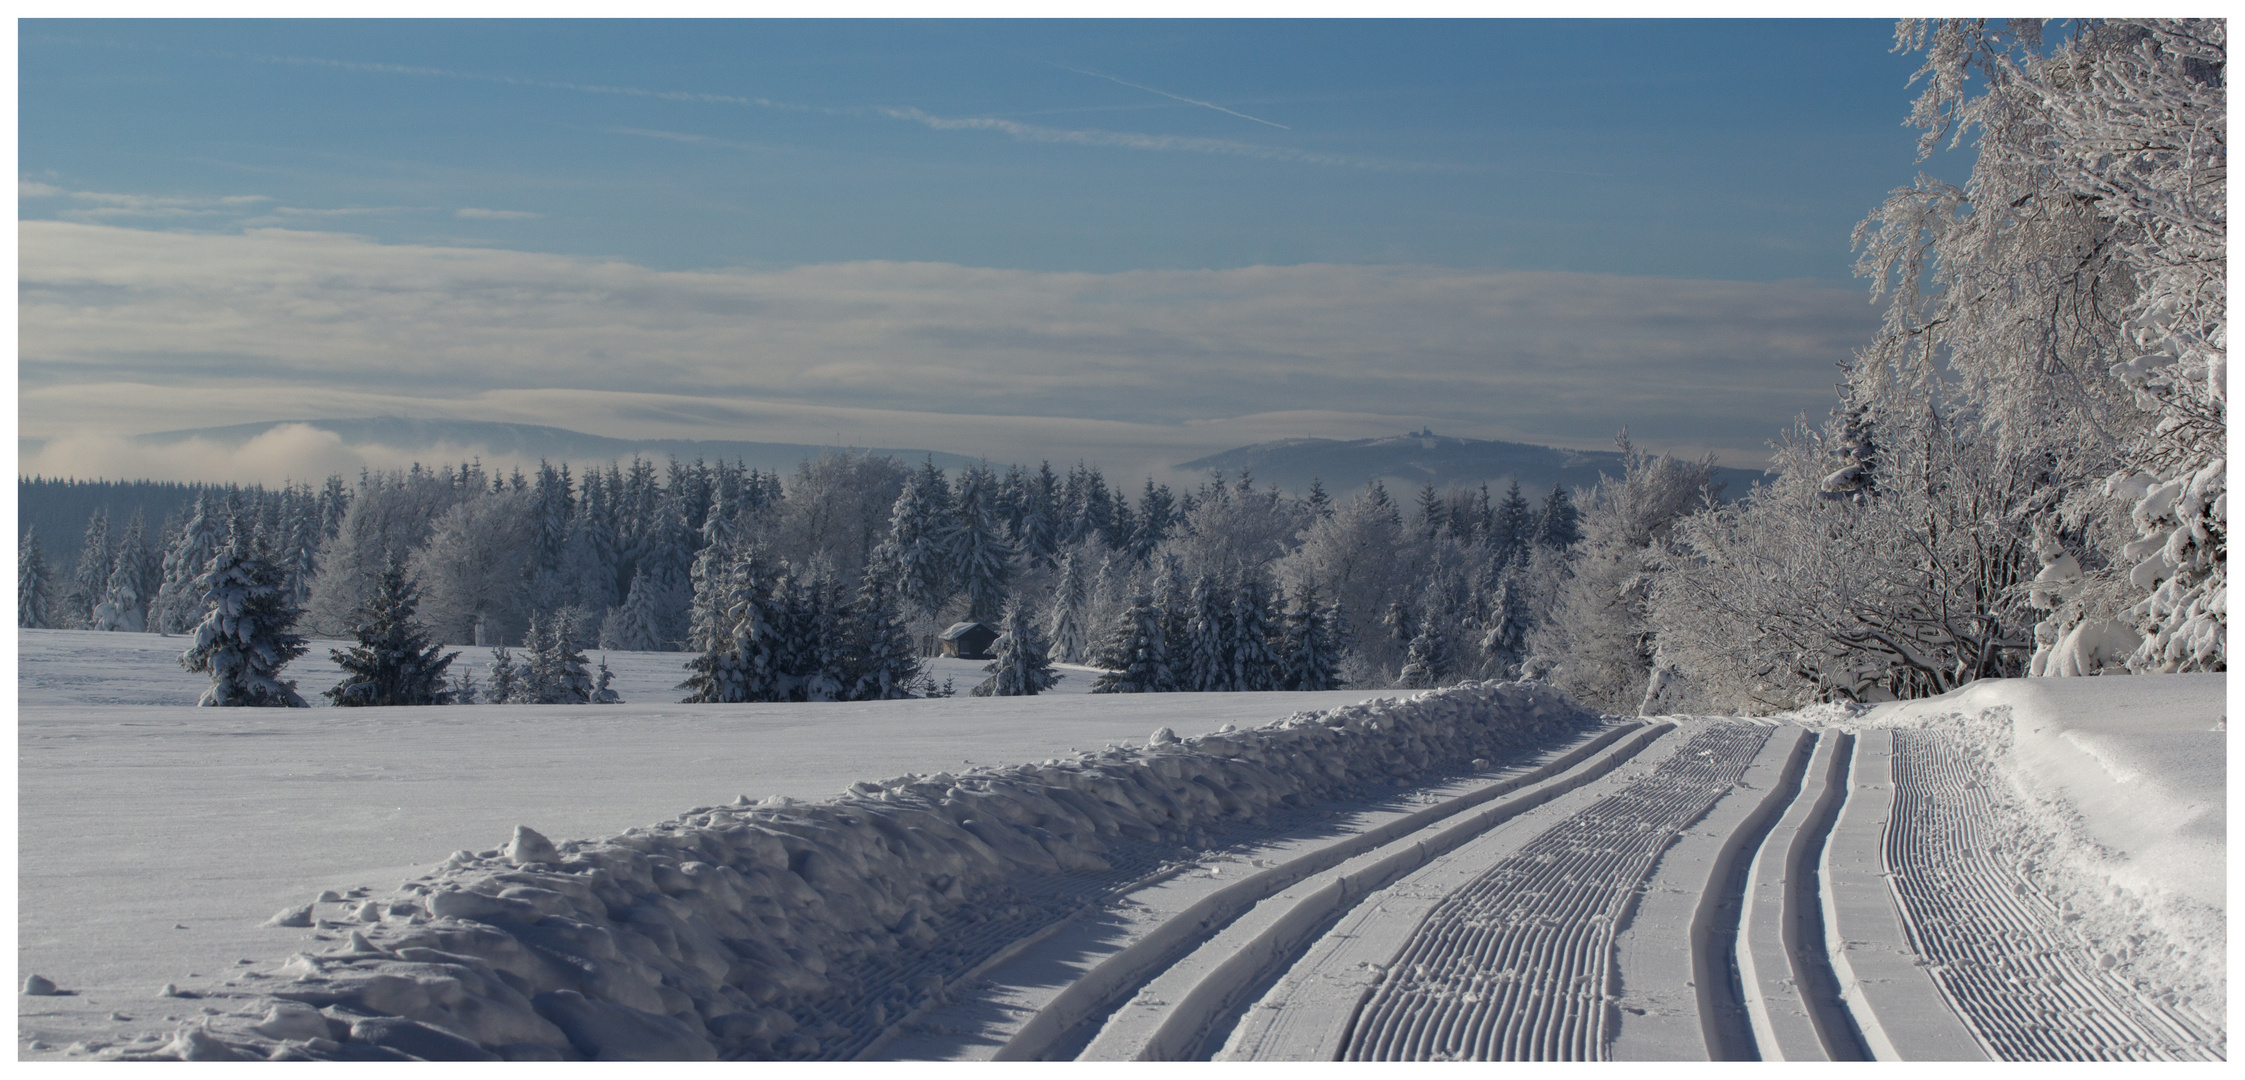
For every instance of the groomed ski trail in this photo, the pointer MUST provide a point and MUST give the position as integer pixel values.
(2001, 953)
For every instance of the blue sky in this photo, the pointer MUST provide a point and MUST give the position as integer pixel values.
(986, 234)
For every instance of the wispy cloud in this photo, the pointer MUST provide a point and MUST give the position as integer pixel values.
(270, 315)
(480, 214)
(1015, 129)
(1191, 144)
(1167, 94)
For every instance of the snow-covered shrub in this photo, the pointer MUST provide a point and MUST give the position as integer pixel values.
(244, 640)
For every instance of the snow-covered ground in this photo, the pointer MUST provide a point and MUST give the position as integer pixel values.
(154, 836)
(2017, 870)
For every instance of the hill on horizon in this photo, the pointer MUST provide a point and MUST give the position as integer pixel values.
(1416, 458)
(533, 441)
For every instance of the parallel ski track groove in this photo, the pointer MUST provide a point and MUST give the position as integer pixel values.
(1997, 947)
(1515, 966)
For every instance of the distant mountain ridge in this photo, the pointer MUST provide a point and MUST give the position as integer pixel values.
(552, 443)
(1416, 458)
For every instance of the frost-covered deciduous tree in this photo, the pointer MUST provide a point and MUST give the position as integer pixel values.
(475, 569)
(394, 662)
(388, 518)
(1789, 596)
(1600, 631)
(2072, 295)
(244, 639)
(1022, 666)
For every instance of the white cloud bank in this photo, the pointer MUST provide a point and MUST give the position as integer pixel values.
(132, 330)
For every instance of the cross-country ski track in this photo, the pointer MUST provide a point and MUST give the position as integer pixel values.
(1807, 888)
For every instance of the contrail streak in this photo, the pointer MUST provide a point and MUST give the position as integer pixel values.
(1167, 94)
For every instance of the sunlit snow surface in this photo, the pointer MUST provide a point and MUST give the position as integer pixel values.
(154, 836)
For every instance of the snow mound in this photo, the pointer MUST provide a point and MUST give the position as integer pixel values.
(733, 931)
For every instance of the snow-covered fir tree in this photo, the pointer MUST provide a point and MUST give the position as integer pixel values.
(919, 525)
(34, 586)
(737, 639)
(503, 685)
(132, 581)
(1022, 666)
(554, 669)
(882, 662)
(394, 662)
(1254, 662)
(1071, 596)
(602, 692)
(1134, 655)
(633, 627)
(244, 639)
(978, 558)
(1559, 523)
(89, 583)
(1202, 658)
(1309, 651)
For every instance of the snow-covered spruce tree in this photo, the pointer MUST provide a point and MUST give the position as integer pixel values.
(739, 653)
(89, 583)
(1254, 661)
(1504, 641)
(1023, 666)
(1134, 654)
(554, 669)
(882, 664)
(1202, 658)
(244, 639)
(1309, 649)
(1071, 595)
(2072, 294)
(978, 557)
(132, 581)
(34, 587)
(394, 662)
(634, 628)
(463, 688)
(918, 526)
(505, 679)
(1431, 657)
(602, 692)
(1514, 528)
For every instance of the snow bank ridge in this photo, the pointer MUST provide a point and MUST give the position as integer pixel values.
(732, 932)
